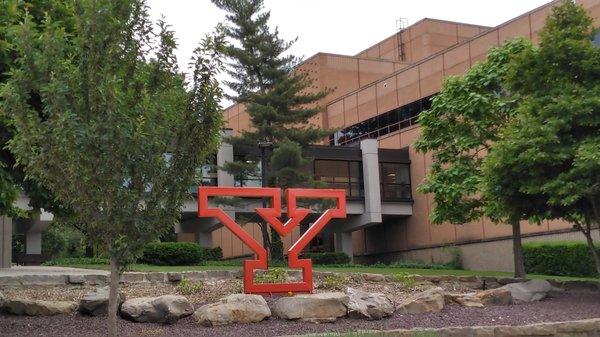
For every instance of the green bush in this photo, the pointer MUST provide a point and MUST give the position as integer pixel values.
(211, 254)
(178, 254)
(172, 253)
(72, 261)
(188, 287)
(327, 258)
(559, 258)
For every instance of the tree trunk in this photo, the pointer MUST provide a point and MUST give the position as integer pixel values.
(264, 229)
(590, 241)
(518, 250)
(89, 251)
(113, 299)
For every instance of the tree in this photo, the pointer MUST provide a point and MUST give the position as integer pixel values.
(12, 177)
(121, 132)
(459, 130)
(278, 100)
(551, 152)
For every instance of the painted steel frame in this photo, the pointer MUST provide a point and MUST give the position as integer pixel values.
(271, 215)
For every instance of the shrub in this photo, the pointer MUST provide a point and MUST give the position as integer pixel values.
(559, 258)
(74, 261)
(327, 258)
(272, 275)
(172, 253)
(178, 253)
(187, 287)
(407, 281)
(211, 254)
(334, 282)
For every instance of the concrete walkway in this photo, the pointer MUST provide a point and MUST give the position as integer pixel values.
(47, 270)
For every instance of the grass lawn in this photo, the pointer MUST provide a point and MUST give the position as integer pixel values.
(357, 269)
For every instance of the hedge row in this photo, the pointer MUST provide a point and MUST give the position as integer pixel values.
(559, 258)
(327, 258)
(178, 254)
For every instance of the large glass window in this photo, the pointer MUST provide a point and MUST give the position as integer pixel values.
(383, 124)
(395, 181)
(346, 175)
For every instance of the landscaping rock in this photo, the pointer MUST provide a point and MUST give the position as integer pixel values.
(43, 279)
(96, 303)
(235, 308)
(373, 277)
(166, 309)
(466, 300)
(2, 300)
(317, 308)
(371, 306)
(174, 277)
(94, 279)
(529, 291)
(156, 277)
(431, 300)
(497, 296)
(76, 279)
(38, 308)
(133, 277)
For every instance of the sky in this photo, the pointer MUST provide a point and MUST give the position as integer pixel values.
(334, 26)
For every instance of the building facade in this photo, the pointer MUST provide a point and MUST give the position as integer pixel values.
(376, 98)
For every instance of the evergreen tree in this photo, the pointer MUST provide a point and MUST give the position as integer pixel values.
(105, 120)
(279, 101)
(551, 152)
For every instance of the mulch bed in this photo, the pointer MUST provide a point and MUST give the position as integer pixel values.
(571, 305)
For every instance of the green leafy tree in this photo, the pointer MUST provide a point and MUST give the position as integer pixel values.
(119, 132)
(551, 152)
(459, 130)
(12, 177)
(278, 100)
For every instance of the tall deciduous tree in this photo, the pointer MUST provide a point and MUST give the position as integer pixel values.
(459, 130)
(552, 150)
(119, 133)
(12, 177)
(279, 101)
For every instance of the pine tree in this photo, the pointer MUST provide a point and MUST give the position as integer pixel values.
(278, 100)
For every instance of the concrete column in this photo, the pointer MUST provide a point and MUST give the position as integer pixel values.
(33, 242)
(204, 239)
(343, 243)
(5, 242)
(224, 155)
(370, 162)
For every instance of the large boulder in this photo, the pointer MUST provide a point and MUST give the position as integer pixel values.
(96, 303)
(368, 305)
(431, 300)
(38, 308)
(317, 308)
(529, 291)
(466, 300)
(166, 309)
(497, 296)
(235, 308)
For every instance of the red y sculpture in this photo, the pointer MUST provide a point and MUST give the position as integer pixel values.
(271, 215)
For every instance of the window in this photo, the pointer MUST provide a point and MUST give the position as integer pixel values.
(395, 181)
(346, 175)
(383, 124)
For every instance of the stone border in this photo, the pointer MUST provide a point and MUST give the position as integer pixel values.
(582, 328)
(474, 282)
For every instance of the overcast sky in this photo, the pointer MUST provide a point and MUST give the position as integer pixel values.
(335, 26)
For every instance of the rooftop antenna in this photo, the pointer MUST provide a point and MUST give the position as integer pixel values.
(401, 24)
